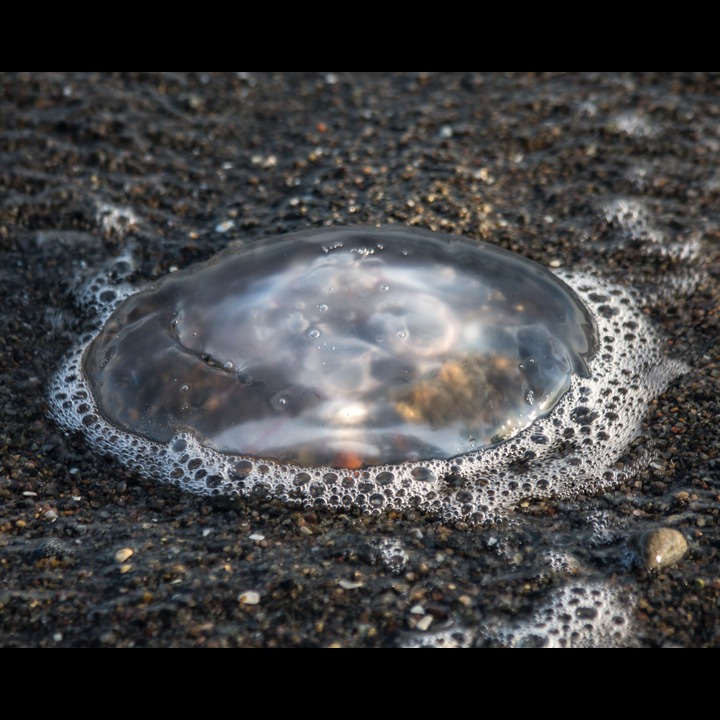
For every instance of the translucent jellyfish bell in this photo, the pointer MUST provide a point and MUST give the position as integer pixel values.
(343, 347)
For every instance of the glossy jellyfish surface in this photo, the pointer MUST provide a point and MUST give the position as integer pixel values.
(347, 347)
(362, 366)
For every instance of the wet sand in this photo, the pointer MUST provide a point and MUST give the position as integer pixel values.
(175, 166)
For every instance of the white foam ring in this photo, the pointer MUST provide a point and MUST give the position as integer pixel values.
(573, 449)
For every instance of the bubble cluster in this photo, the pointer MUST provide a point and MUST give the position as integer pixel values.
(582, 614)
(383, 368)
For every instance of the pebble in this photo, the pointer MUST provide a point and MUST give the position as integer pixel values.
(122, 555)
(350, 584)
(249, 597)
(662, 547)
(424, 622)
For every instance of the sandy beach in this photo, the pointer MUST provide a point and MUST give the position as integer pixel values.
(608, 173)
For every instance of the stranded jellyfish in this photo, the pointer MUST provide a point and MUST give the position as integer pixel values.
(343, 347)
(368, 366)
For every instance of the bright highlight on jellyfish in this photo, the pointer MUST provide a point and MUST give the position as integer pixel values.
(364, 366)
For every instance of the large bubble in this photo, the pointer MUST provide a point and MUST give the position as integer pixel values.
(372, 366)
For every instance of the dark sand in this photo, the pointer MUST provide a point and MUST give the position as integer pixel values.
(91, 164)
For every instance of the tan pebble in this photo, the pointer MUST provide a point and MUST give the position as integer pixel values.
(122, 555)
(350, 584)
(424, 622)
(249, 597)
(662, 547)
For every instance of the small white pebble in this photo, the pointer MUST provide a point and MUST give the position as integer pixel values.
(249, 597)
(223, 227)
